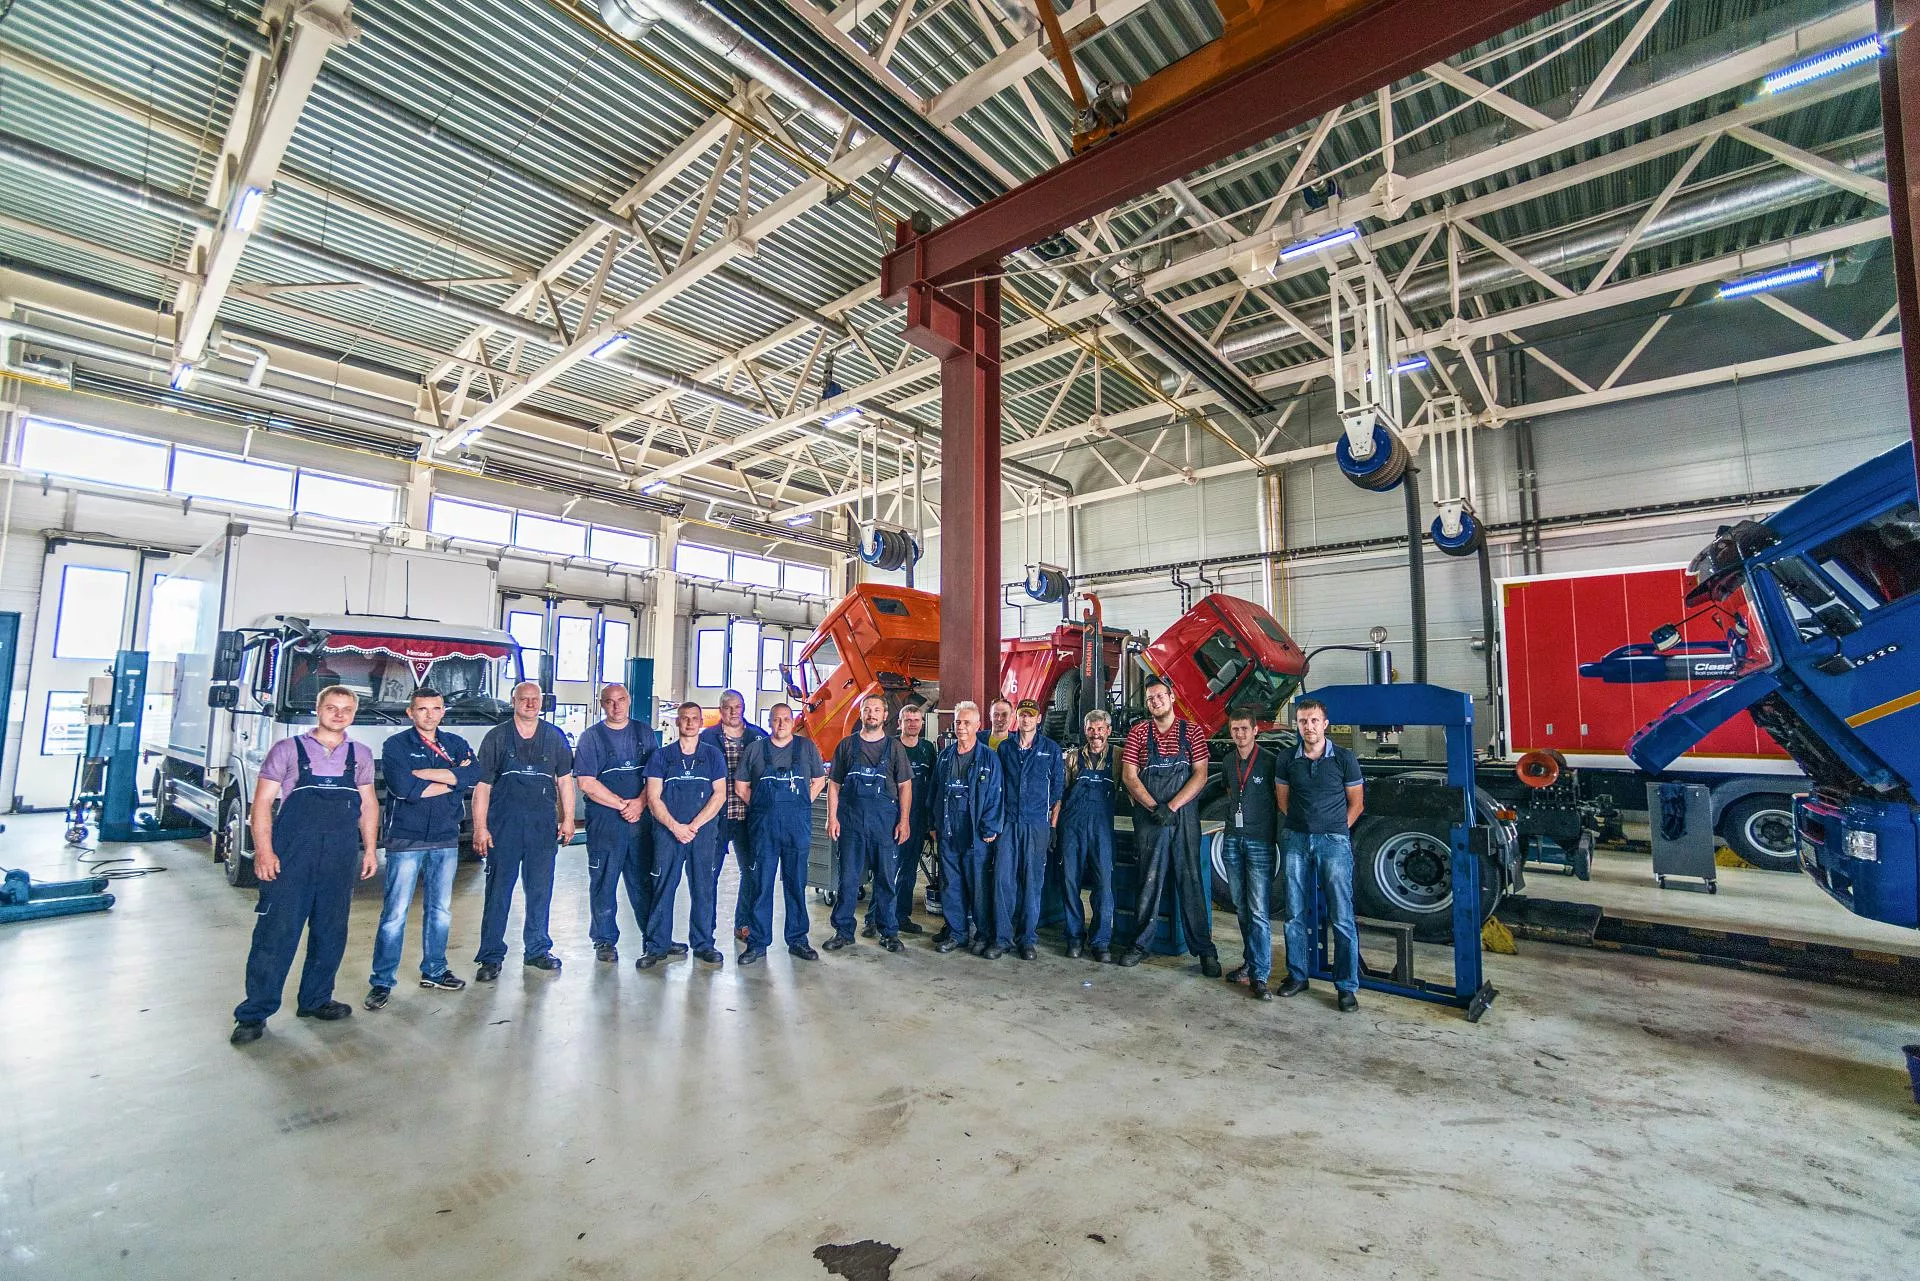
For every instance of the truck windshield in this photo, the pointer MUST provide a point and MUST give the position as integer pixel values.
(470, 675)
(1266, 690)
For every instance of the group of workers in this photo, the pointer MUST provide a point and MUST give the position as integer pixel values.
(994, 805)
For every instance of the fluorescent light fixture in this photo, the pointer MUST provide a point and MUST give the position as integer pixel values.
(182, 376)
(606, 349)
(246, 211)
(805, 518)
(1332, 240)
(654, 488)
(1778, 279)
(839, 416)
(1411, 365)
(1865, 49)
(474, 439)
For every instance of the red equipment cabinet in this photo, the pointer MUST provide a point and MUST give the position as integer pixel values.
(1579, 675)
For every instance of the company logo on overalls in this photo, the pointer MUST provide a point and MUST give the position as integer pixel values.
(868, 776)
(781, 774)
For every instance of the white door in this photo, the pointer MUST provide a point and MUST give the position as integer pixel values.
(573, 647)
(94, 602)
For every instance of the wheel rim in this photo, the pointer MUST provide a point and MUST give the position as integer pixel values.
(1414, 872)
(1770, 831)
(236, 847)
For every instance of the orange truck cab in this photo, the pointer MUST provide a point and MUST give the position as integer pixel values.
(877, 640)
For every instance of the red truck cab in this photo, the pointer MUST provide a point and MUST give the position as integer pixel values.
(1224, 653)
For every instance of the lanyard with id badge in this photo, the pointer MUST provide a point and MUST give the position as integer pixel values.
(1240, 778)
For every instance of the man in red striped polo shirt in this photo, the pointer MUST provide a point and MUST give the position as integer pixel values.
(1164, 769)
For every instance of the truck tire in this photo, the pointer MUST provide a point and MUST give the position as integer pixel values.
(1760, 830)
(1402, 871)
(164, 813)
(232, 845)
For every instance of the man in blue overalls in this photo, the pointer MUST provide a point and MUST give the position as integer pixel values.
(869, 799)
(1164, 769)
(610, 765)
(732, 736)
(524, 798)
(969, 816)
(686, 790)
(921, 754)
(307, 857)
(1036, 775)
(780, 778)
(1086, 837)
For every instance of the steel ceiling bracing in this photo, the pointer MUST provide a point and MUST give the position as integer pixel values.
(514, 122)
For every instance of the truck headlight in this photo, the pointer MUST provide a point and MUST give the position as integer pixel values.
(1864, 846)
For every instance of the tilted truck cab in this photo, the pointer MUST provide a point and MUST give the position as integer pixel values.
(1833, 674)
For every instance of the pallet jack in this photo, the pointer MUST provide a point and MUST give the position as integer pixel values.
(24, 899)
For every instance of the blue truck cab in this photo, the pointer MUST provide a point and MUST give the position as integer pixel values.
(1832, 673)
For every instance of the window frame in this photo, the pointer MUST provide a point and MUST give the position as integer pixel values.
(301, 508)
(164, 449)
(179, 452)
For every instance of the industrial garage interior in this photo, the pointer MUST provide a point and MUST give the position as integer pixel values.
(1526, 382)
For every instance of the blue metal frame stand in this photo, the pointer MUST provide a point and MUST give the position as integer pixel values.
(1380, 706)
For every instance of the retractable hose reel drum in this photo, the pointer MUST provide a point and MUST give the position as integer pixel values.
(1456, 531)
(1046, 583)
(887, 545)
(1366, 383)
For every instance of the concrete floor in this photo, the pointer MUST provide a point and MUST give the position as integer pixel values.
(1749, 901)
(1610, 1116)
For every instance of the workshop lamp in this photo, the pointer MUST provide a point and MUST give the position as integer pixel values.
(606, 350)
(1332, 240)
(1774, 280)
(246, 210)
(843, 415)
(182, 376)
(1865, 49)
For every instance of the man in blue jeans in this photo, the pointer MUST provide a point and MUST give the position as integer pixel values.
(1320, 792)
(428, 775)
(1246, 847)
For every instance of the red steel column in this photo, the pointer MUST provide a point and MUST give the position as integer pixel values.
(970, 499)
(1900, 109)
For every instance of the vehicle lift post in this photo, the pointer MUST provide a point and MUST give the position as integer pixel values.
(117, 742)
(1452, 711)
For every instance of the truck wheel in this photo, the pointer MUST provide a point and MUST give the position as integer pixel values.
(1760, 830)
(232, 844)
(164, 814)
(1403, 871)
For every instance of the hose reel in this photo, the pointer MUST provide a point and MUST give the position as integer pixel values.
(888, 549)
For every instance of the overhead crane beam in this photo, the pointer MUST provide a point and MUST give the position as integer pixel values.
(1297, 75)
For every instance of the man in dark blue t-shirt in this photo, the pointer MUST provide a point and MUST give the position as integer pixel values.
(610, 763)
(1320, 790)
(686, 790)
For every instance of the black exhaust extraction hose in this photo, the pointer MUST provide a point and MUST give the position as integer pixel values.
(1416, 570)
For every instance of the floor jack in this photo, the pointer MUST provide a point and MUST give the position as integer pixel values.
(1376, 706)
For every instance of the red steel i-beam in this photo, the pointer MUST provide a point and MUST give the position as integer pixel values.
(961, 325)
(1900, 111)
(956, 316)
(1384, 42)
